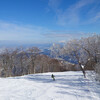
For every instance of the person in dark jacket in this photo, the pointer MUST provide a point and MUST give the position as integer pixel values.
(53, 77)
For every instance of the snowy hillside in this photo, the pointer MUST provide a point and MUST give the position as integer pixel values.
(68, 86)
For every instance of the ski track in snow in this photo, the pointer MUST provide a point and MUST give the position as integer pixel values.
(68, 86)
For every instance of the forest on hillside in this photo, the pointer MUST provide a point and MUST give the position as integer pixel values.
(85, 52)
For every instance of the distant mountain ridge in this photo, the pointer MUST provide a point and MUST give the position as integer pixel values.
(12, 44)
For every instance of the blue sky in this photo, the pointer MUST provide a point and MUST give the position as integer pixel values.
(47, 21)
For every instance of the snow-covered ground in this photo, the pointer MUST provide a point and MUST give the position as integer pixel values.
(68, 86)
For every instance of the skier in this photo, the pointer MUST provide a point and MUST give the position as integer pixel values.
(53, 77)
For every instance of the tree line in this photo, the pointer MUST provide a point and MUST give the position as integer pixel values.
(15, 62)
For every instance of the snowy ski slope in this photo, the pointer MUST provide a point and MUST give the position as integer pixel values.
(68, 86)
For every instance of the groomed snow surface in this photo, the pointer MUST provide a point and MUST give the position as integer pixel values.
(68, 86)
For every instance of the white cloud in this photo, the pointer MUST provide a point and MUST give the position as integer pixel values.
(54, 4)
(12, 31)
(72, 14)
(36, 34)
(66, 35)
(95, 18)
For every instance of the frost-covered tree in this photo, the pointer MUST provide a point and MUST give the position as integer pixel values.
(74, 51)
(91, 45)
(83, 51)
